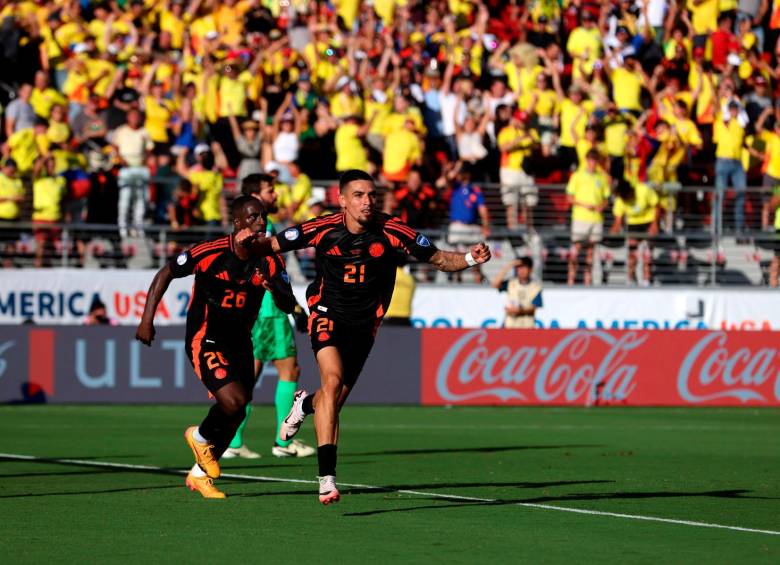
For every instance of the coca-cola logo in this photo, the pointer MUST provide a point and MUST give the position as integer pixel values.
(710, 366)
(570, 370)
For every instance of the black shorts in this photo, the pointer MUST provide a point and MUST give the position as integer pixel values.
(776, 243)
(353, 343)
(217, 364)
(638, 232)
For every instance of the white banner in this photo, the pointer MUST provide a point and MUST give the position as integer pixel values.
(63, 296)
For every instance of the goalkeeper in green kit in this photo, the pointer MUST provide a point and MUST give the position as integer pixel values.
(273, 340)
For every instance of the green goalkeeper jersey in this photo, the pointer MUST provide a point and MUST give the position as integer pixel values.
(268, 308)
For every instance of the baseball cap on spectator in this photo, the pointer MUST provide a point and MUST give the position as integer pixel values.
(9, 163)
(201, 148)
(521, 115)
(342, 82)
(79, 48)
(628, 53)
(622, 29)
(698, 52)
(211, 35)
(417, 37)
(759, 80)
(272, 166)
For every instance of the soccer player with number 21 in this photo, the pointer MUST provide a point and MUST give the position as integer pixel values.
(356, 266)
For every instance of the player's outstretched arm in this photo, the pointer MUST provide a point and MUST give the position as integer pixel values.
(145, 331)
(452, 261)
(257, 244)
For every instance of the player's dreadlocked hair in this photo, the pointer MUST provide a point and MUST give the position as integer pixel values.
(353, 175)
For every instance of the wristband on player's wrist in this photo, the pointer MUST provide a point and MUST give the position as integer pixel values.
(470, 261)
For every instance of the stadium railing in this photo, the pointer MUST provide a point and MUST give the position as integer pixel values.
(690, 248)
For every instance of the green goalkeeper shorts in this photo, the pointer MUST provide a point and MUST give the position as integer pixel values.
(272, 339)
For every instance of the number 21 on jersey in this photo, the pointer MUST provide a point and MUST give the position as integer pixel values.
(354, 274)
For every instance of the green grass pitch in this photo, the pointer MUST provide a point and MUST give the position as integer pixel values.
(514, 469)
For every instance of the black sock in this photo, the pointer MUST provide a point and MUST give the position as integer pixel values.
(219, 428)
(307, 406)
(214, 421)
(326, 457)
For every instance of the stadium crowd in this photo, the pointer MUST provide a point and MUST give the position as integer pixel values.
(132, 112)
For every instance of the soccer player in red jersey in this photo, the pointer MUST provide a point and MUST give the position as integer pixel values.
(356, 266)
(230, 282)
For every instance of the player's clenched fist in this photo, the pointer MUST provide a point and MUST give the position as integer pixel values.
(480, 253)
(145, 333)
(245, 236)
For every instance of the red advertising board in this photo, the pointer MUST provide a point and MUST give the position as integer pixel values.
(584, 367)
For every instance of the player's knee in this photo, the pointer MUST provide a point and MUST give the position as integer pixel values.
(295, 372)
(234, 403)
(332, 386)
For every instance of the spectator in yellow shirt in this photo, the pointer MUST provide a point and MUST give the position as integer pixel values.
(770, 159)
(587, 193)
(159, 111)
(403, 150)
(43, 97)
(584, 45)
(350, 151)
(636, 207)
(704, 19)
(207, 185)
(48, 191)
(572, 118)
(729, 136)
(516, 142)
(628, 80)
(11, 192)
(294, 198)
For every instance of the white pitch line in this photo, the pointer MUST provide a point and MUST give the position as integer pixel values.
(111, 465)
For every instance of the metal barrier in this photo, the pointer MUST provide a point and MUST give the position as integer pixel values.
(695, 246)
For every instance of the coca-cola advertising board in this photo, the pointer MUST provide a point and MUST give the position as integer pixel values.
(587, 367)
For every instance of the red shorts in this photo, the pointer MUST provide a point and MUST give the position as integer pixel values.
(45, 231)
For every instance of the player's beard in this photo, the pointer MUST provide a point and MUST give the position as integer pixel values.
(368, 217)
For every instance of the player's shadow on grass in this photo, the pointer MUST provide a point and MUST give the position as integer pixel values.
(727, 494)
(83, 492)
(496, 449)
